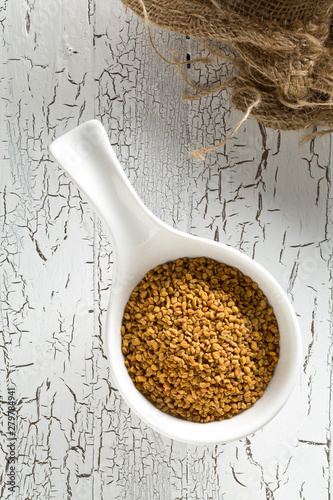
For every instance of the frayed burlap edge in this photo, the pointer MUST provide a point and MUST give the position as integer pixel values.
(285, 77)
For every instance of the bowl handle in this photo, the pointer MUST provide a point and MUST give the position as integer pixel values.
(87, 157)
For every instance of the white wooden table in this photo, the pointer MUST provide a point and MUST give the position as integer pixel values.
(63, 63)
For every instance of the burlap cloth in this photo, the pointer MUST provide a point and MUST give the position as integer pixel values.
(285, 46)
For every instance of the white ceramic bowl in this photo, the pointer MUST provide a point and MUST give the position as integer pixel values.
(141, 241)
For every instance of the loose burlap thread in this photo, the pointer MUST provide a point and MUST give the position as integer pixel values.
(285, 71)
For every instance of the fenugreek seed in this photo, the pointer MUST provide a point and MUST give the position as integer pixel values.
(216, 347)
(191, 348)
(203, 385)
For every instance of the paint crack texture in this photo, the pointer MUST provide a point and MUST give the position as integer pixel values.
(262, 193)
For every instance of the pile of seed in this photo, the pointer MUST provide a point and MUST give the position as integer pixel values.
(199, 339)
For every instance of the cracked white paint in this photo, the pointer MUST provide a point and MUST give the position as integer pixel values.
(62, 64)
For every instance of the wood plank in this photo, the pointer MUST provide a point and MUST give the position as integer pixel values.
(262, 193)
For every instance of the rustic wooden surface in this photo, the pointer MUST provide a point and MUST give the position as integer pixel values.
(66, 62)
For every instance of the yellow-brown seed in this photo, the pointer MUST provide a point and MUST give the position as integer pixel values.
(199, 339)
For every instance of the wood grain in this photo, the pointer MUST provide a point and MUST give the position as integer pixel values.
(262, 193)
